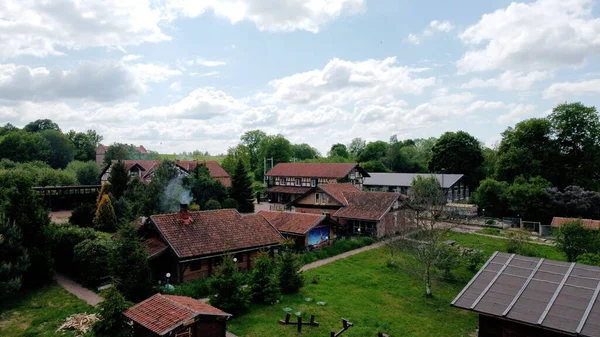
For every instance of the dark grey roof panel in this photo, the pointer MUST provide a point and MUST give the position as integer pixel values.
(406, 179)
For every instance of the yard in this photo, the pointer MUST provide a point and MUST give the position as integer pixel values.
(39, 312)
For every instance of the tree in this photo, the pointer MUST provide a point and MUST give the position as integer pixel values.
(230, 203)
(374, 166)
(112, 323)
(41, 125)
(304, 152)
(226, 288)
(527, 150)
(490, 195)
(22, 146)
(575, 202)
(252, 140)
(85, 144)
(574, 239)
(204, 187)
(61, 148)
(424, 150)
(105, 219)
(87, 173)
(338, 150)
(118, 151)
(104, 190)
(289, 275)
(427, 214)
(118, 179)
(14, 260)
(264, 284)
(129, 265)
(233, 155)
(241, 189)
(276, 147)
(490, 163)
(356, 146)
(212, 204)
(7, 128)
(577, 132)
(373, 151)
(91, 259)
(530, 198)
(460, 153)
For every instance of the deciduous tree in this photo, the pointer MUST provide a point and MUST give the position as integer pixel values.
(460, 153)
(574, 240)
(339, 150)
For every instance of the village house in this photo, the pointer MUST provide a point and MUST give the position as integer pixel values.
(190, 245)
(145, 169)
(309, 231)
(177, 316)
(102, 149)
(287, 181)
(587, 223)
(453, 184)
(521, 296)
(374, 214)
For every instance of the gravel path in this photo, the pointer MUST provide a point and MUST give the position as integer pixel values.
(78, 290)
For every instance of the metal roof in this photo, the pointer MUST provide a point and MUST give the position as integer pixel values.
(553, 295)
(406, 179)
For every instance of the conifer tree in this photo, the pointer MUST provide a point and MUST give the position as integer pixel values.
(241, 188)
(289, 274)
(265, 287)
(105, 189)
(112, 322)
(226, 288)
(105, 219)
(118, 179)
(14, 260)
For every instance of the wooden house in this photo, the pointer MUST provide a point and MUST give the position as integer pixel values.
(453, 184)
(190, 245)
(310, 231)
(287, 181)
(374, 214)
(177, 316)
(519, 296)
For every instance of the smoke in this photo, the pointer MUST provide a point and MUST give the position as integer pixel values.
(175, 193)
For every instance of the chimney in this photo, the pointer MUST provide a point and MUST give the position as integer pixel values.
(184, 214)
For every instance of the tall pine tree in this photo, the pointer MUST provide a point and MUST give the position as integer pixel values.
(14, 260)
(129, 265)
(264, 286)
(118, 179)
(241, 188)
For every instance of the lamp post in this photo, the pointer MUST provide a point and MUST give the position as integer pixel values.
(168, 275)
(235, 259)
(483, 210)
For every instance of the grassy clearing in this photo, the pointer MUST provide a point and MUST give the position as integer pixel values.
(39, 312)
(365, 291)
(490, 245)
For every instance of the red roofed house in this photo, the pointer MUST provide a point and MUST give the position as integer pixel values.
(145, 169)
(312, 231)
(101, 153)
(178, 316)
(190, 245)
(359, 213)
(587, 223)
(287, 181)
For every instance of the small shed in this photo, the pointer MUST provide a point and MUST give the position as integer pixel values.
(177, 316)
(518, 296)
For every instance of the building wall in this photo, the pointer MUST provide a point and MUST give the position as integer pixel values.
(208, 266)
(311, 200)
(496, 327)
(210, 328)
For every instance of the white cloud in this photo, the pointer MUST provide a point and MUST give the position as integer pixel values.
(130, 57)
(530, 36)
(208, 74)
(200, 104)
(435, 26)
(175, 86)
(42, 28)
(517, 112)
(210, 63)
(272, 15)
(152, 73)
(341, 82)
(510, 80)
(563, 90)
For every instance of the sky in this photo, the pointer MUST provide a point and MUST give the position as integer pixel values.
(181, 75)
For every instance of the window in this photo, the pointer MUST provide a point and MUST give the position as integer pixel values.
(184, 333)
(283, 180)
(317, 198)
(313, 182)
(298, 181)
(195, 265)
(323, 198)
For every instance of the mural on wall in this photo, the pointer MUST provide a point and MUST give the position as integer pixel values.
(318, 236)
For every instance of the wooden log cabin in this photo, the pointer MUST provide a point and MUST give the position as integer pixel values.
(190, 245)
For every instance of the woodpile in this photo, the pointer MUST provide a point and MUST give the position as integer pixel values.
(81, 323)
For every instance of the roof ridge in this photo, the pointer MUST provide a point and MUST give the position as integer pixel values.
(177, 304)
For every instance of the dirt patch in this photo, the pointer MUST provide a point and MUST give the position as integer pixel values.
(60, 216)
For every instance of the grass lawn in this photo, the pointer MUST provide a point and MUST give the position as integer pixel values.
(39, 312)
(490, 245)
(374, 297)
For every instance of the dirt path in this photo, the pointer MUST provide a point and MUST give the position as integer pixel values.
(78, 290)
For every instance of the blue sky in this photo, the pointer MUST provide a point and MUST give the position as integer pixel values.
(179, 75)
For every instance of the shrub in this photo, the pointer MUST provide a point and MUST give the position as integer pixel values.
(289, 274)
(196, 289)
(212, 204)
(105, 219)
(448, 259)
(129, 264)
(123, 211)
(230, 203)
(194, 207)
(14, 260)
(87, 173)
(575, 240)
(515, 241)
(474, 259)
(490, 222)
(112, 322)
(63, 239)
(91, 259)
(589, 259)
(227, 291)
(489, 231)
(339, 246)
(264, 285)
(83, 215)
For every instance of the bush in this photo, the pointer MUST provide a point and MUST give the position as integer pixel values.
(474, 259)
(212, 204)
(112, 322)
(339, 246)
(515, 242)
(264, 285)
(91, 260)
(575, 240)
(590, 259)
(87, 173)
(63, 239)
(123, 210)
(230, 203)
(289, 274)
(489, 231)
(227, 291)
(194, 207)
(105, 219)
(490, 222)
(129, 265)
(83, 215)
(448, 259)
(195, 289)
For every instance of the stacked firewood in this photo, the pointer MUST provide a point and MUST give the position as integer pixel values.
(81, 323)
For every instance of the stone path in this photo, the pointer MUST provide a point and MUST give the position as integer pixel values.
(78, 290)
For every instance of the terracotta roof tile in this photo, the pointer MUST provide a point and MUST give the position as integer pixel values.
(162, 313)
(367, 205)
(215, 232)
(323, 170)
(288, 189)
(587, 223)
(155, 246)
(337, 191)
(293, 222)
(148, 167)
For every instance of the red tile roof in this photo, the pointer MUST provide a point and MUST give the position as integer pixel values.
(215, 232)
(293, 222)
(337, 191)
(321, 170)
(155, 246)
(288, 189)
(587, 223)
(163, 313)
(370, 206)
(148, 166)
